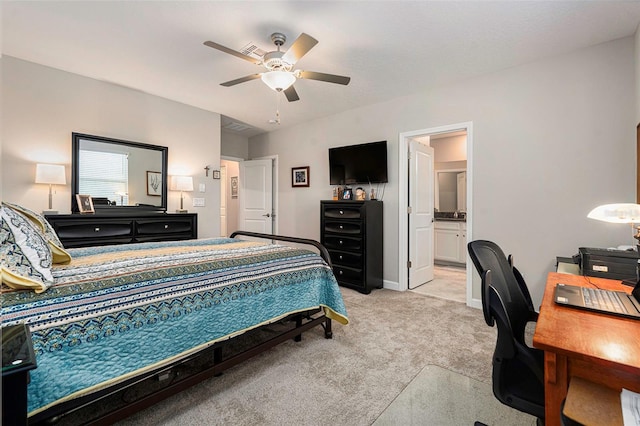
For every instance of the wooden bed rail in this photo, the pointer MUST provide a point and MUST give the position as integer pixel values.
(323, 251)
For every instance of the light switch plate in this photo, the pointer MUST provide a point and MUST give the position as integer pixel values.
(202, 187)
(198, 202)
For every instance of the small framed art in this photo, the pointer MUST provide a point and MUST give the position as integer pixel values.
(154, 183)
(300, 176)
(85, 203)
(234, 186)
(347, 194)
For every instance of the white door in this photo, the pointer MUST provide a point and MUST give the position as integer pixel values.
(421, 199)
(223, 201)
(256, 196)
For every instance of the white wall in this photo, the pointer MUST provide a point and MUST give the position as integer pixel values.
(43, 106)
(552, 140)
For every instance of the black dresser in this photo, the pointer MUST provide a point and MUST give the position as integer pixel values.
(352, 232)
(77, 230)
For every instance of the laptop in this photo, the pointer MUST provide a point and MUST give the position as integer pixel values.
(605, 301)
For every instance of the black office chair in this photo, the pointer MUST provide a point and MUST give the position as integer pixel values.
(518, 369)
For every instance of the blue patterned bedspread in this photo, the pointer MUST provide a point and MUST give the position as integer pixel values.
(117, 311)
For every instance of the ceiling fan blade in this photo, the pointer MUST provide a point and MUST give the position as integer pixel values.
(331, 78)
(291, 94)
(299, 48)
(240, 80)
(232, 52)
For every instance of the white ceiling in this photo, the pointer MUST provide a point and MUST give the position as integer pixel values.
(388, 48)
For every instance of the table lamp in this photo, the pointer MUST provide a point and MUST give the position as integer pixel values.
(51, 174)
(182, 184)
(619, 213)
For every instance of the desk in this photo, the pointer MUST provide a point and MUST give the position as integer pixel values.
(601, 348)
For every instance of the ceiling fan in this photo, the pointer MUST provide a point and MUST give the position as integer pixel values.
(279, 74)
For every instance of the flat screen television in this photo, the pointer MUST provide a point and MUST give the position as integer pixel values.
(363, 163)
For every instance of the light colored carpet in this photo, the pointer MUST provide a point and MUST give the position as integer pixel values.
(348, 380)
(449, 283)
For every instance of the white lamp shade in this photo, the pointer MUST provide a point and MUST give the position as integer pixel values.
(278, 80)
(616, 213)
(51, 174)
(182, 183)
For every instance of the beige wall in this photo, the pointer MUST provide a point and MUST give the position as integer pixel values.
(43, 106)
(539, 162)
(234, 145)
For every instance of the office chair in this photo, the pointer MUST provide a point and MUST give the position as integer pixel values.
(518, 370)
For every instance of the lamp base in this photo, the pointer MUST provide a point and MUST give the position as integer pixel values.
(46, 212)
(182, 211)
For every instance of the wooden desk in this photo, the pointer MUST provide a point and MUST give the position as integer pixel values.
(601, 348)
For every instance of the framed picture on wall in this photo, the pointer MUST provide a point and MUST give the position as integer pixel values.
(154, 184)
(300, 176)
(234, 186)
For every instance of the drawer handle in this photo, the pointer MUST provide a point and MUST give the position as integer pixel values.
(341, 242)
(340, 257)
(96, 229)
(166, 226)
(341, 227)
(340, 272)
(341, 212)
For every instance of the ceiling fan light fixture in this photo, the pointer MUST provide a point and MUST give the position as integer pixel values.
(278, 80)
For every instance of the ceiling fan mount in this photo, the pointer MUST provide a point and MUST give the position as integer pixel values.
(279, 74)
(278, 39)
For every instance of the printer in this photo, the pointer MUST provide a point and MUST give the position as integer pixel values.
(608, 263)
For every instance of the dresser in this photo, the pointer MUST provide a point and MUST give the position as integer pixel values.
(352, 233)
(76, 230)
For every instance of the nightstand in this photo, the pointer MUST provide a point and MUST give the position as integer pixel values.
(17, 359)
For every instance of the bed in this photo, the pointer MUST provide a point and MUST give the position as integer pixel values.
(131, 316)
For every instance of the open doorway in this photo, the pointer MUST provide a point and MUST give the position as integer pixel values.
(453, 210)
(229, 204)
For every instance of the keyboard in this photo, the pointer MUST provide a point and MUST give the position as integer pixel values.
(603, 299)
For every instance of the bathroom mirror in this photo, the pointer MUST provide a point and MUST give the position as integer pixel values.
(119, 175)
(451, 190)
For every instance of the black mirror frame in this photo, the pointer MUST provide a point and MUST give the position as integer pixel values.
(75, 184)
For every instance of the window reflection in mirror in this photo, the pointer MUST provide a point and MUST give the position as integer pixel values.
(116, 173)
(451, 191)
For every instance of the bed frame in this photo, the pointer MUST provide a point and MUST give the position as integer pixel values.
(189, 371)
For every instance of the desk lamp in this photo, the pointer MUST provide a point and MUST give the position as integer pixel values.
(619, 213)
(51, 174)
(182, 184)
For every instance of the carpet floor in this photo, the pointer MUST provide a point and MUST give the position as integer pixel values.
(353, 378)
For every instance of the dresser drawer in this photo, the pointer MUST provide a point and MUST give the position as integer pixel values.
(160, 227)
(96, 230)
(347, 274)
(342, 242)
(346, 258)
(346, 212)
(343, 227)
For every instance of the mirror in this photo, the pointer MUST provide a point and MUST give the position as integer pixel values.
(119, 175)
(451, 190)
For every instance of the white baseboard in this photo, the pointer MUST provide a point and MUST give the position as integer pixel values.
(391, 285)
